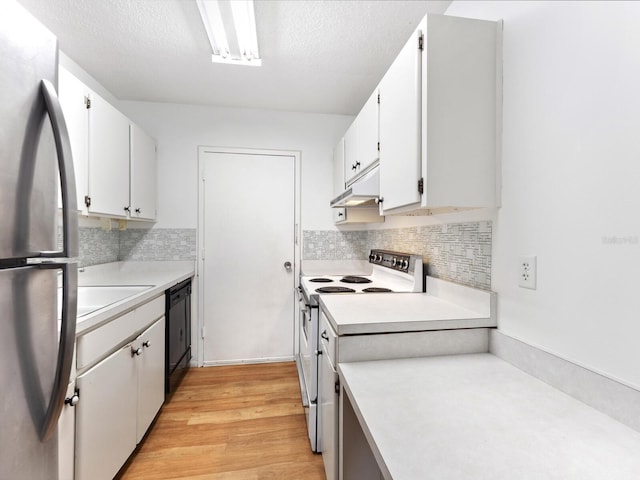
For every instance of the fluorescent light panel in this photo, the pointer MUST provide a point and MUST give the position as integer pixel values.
(231, 28)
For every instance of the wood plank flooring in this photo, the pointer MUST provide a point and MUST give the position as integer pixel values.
(241, 422)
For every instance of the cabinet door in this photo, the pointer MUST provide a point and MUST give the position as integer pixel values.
(108, 159)
(400, 128)
(73, 96)
(338, 168)
(106, 416)
(328, 403)
(150, 376)
(361, 140)
(143, 175)
(339, 215)
(66, 437)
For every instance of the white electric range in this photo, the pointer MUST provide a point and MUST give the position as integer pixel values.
(392, 272)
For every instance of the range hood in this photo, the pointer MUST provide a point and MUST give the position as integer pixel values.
(362, 193)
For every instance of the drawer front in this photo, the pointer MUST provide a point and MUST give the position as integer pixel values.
(149, 312)
(97, 343)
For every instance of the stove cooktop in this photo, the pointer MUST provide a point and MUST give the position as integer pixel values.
(391, 272)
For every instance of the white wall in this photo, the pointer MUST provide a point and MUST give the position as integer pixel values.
(180, 129)
(571, 179)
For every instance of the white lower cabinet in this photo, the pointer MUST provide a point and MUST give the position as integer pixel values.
(106, 416)
(66, 435)
(150, 376)
(328, 404)
(119, 398)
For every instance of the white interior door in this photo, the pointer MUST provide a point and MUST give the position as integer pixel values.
(248, 235)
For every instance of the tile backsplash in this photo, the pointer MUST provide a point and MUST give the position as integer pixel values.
(102, 246)
(460, 252)
(158, 244)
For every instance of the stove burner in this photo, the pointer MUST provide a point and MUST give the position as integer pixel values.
(321, 280)
(377, 290)
(352, 279)
(335, 290)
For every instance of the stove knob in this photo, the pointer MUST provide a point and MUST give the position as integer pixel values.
(394, 261)
(372, 257)
(380, 258)
(405, 263)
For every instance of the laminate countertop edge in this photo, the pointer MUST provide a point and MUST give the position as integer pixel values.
(476, 416)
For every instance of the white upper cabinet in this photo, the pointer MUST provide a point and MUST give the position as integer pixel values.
(108, 159)
(400, 139)
(361, 140)
(114, 160)
(349, 215)
(73, 96)
(338, 179)
(143, 175)
(440, 118)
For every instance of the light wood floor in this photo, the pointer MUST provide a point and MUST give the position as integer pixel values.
(230, 423)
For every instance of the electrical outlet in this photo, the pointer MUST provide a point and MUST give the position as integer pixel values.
(527, 272)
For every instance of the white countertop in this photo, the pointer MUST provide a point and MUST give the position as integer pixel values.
(450, 307)
(463, 417)
(159, 275)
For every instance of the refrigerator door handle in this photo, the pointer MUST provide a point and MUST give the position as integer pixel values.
(67, 176)
(65, 346)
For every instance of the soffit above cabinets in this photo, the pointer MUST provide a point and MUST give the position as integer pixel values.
(318, 56)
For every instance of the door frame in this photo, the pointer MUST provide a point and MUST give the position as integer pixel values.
(199, 333)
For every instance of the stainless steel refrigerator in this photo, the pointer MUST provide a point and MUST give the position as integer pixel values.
(36, 347)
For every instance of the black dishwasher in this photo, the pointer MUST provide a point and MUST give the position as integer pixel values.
(178, 334)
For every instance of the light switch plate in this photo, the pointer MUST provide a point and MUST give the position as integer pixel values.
(527, 272)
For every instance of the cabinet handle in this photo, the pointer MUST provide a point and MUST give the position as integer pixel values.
(138, 210)
(355, 166)
(340, 214)
(318, 353)
(325, 336)
(127, 209)
(136, 351)
(73, 400)
(146, 343)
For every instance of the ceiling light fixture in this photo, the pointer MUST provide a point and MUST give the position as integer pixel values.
(231, 28)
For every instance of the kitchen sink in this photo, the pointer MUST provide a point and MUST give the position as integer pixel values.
(92, 298)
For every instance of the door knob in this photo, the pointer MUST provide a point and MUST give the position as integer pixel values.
(287, 266)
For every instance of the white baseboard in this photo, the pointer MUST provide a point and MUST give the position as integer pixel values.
(242, 361)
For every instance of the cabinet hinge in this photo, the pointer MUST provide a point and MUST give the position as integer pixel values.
(378, 146)
(87, 102)
(87, 201)
(421, 186)
(203, 332)
(337, 387)
(378, 99)
(421, 42)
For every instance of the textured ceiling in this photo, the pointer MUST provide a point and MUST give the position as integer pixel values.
(318, 56)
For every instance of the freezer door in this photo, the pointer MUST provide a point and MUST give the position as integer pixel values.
(28, 164)
(28, 342)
